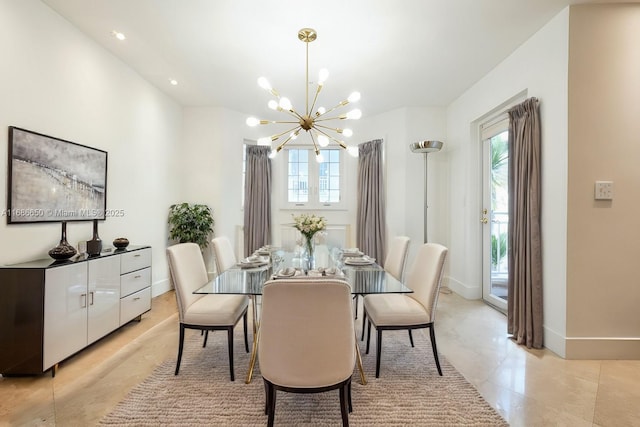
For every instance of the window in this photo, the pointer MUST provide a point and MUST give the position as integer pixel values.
(311, 184)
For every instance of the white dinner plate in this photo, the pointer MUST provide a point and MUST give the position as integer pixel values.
(359, 261)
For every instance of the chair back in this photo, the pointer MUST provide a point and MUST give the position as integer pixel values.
(396, 257)
(223, 251)
(188, 273)
(425, 276)
(307, 336)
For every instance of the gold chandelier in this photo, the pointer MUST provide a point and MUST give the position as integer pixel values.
(312, 122)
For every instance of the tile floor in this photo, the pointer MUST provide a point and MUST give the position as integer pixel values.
(529, 388)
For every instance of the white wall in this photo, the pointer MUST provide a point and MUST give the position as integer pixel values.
(212, 162)
(55, 81)
(538, 69)
(404, 171)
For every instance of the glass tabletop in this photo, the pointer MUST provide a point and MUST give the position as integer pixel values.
(364, 279)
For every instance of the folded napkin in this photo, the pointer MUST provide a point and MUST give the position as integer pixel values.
(253, 261)
(331, 271)
(288, 272)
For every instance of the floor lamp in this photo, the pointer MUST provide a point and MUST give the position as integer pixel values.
(425, 147)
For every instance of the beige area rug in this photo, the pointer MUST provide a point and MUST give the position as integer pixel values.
(409, 391)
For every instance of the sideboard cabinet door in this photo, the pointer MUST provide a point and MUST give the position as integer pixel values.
(103, 297)
(65, 312)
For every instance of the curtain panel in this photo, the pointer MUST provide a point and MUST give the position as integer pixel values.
(257, 199)
(524, 310)
(371, 217)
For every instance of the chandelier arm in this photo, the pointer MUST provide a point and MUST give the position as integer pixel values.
(297, 130)
(295, 114)
(336, 130)
(337, 141)
(341, 104)
(315, 98)
(319, 119)
(277, 136)
(315, 146)
(282, 121)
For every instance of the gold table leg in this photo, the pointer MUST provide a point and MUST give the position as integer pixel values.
(254, 346)
(363, 380)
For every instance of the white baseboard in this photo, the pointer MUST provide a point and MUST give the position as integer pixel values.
(160, 287)
(465, 291)
(555, 342)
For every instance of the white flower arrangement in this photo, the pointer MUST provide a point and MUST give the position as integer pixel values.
(309, 225)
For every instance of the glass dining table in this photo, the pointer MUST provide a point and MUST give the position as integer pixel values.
(364, 279)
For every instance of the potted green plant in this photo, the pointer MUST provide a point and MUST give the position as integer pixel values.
(190, 223)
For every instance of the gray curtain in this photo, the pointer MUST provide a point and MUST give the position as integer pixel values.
(524, 311)
(371, 218)
(257, 199)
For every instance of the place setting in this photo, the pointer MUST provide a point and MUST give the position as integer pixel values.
(265, 250)
(254, 261)
(298, 273)
(359, 260)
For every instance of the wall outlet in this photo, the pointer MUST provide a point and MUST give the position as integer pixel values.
(604, 190)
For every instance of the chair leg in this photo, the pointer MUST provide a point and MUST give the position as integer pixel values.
(230, 344)
(246, 340)
(368, 336)
(344, 406)
(378, 352)
(349, 394)
(180, 346)
(272, 405)
(355, 299)
(432, 334)
(206, 335)
(364, 320)
(266, 397)
(411, 337)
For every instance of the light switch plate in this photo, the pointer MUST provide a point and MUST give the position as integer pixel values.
(604, 190)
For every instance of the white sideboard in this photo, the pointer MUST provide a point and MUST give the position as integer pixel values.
(52, 310)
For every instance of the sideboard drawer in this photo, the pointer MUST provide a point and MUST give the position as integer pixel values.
(134, 305)
(135, 281)
(135, 260)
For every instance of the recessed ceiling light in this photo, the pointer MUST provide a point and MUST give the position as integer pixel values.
(118, 35)
(173, 82)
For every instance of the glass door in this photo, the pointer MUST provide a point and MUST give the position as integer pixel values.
(495, 213)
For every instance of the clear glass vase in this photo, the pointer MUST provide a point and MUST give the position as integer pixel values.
(308, 251)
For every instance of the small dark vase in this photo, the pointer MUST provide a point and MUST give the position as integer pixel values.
(94, 246)
(64, 250)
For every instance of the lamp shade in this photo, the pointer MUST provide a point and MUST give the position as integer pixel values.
(426, 146)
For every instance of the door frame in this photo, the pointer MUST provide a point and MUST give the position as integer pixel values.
(489, 129)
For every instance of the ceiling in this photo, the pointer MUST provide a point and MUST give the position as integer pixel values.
(396, 53)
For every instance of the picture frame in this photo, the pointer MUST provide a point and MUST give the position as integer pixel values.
(53, 180)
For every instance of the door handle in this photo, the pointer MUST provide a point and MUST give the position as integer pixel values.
(484, 219)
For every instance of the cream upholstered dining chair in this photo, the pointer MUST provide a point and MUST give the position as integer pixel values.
(396, 257)
(223, 251)
(307, 340)
(410, 311)
(394, 264)
(198, 311)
